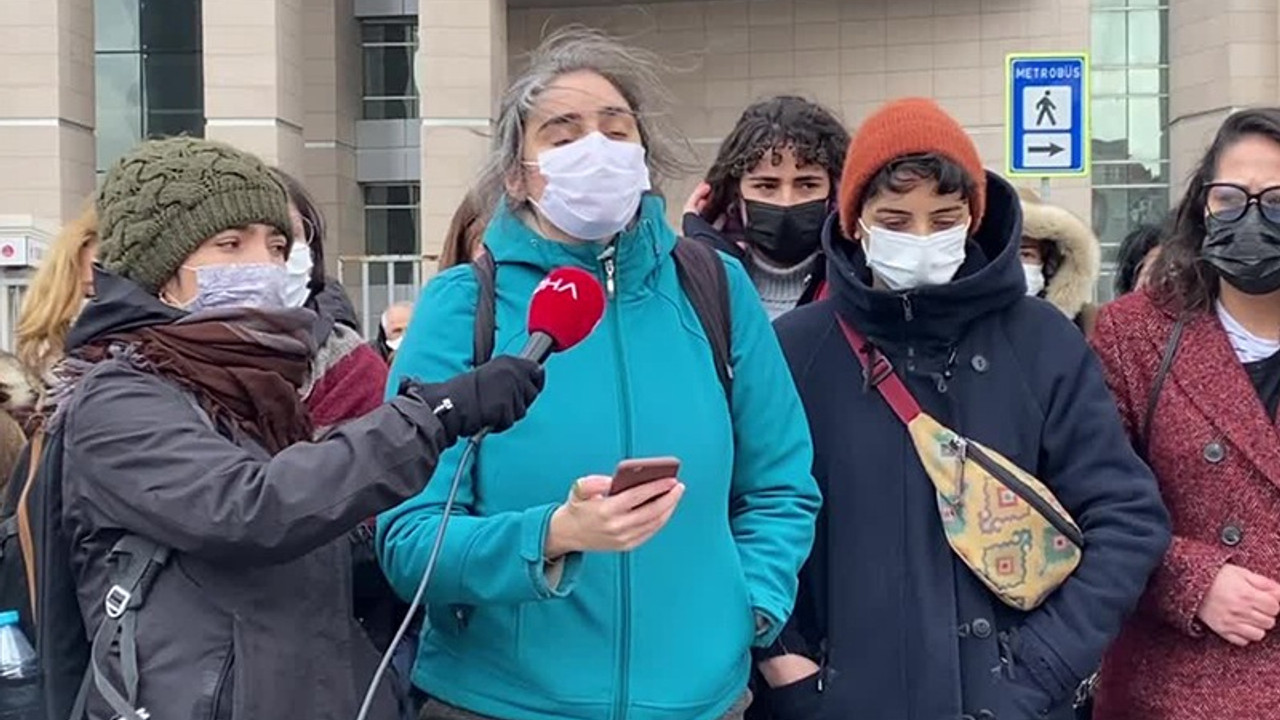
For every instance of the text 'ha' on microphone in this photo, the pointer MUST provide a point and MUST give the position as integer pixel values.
(566, 307)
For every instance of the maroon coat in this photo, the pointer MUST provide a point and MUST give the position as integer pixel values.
(1216, 455)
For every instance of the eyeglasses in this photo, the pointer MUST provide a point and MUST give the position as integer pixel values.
(1227, 202)
(308, 232)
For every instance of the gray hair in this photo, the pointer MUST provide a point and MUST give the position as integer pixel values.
(635, 72)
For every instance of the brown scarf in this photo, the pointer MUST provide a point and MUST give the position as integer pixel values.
(245, 366)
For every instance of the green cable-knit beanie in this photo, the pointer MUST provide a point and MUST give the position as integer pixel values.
(164, 198)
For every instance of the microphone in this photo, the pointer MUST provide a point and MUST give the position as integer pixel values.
(567, 305)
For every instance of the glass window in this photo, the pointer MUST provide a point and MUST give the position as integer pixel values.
(171, 25)
(1107, 44)
(115, 25)
(1130, 117)
(149, 73)
(391, 219)
(173, 81)
(1146, 33)
(119, 105)
(388, 50)
(164, 123)
(1116, 211)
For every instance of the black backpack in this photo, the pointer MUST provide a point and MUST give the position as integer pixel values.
(702, 277)
(36, 578)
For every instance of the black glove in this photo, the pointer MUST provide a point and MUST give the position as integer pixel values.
(494, 395)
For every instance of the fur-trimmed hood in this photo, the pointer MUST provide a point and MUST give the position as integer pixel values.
(18, 392)
(1071, 287)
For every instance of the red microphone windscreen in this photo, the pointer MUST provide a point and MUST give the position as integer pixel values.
(567, 305)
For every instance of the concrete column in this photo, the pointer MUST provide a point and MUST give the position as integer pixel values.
(253, 80)
(332, 106)
(461, 71)
(46, 108)
(1221, 58)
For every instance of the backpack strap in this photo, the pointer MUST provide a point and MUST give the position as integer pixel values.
(135, 561)
(1153, 399)
(26, 540)
(706, 283)
(485, 322)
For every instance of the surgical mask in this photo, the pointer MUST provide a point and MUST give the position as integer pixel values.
(394, 343)
(904, 261)
(786, 235)
(594, 186)
(251, 285)
(298, 276)
(1034, 273)
(1245, 253)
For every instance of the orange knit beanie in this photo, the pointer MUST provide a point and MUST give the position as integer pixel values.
(911, 126)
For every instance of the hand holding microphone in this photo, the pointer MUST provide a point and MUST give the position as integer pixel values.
(565, 308)
(495, 395)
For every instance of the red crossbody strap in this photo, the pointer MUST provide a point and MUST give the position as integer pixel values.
(880, 374)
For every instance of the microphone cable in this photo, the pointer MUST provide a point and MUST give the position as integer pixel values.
(467, 453)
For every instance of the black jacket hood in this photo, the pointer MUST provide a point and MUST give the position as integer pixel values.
(990, 279)
(118, 305)
(331, 306)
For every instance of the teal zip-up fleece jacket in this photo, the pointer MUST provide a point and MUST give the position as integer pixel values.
(659, 633)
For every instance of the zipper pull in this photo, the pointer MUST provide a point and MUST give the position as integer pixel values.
(606, 259)
(609, 285)
(907, 313)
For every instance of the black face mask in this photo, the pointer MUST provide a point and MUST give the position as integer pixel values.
(1245, 253)
(786, 235)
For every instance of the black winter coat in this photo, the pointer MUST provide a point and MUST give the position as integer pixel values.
(910, 632)
(252, 616)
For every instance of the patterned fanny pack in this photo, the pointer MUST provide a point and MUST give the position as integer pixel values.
(1005, 524)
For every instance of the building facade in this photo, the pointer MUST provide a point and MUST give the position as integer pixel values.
(383, 107)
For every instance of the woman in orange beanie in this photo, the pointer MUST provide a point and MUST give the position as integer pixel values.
(927, 289)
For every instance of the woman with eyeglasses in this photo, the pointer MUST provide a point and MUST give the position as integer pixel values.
(1194, 363)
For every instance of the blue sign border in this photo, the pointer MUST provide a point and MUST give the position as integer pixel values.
(1081, 130)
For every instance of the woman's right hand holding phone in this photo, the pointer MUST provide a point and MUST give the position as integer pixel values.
(593, 520)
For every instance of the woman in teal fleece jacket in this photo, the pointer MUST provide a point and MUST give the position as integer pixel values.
(601, 607)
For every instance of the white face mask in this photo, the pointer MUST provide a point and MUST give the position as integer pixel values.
(905, 261)
(250, 285)
(298, 269)
(594, 186)
(394, 343)
(1035, 278)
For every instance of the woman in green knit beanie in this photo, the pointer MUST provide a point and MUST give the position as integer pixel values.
(188, 448)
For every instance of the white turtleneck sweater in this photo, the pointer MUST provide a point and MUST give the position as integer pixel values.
(780, 288)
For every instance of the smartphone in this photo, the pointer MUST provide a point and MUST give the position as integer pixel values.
(638, 471)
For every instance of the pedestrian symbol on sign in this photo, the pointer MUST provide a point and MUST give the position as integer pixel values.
(1046, 108)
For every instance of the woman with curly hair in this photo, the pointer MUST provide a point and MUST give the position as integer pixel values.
(768, 194)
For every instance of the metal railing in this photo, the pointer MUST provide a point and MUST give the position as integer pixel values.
(374, 282)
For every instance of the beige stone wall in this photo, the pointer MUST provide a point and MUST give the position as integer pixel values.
(331, 100)
(46, 108)
(253, 78)
(461, 70)
(851, 55)
(1222, 56)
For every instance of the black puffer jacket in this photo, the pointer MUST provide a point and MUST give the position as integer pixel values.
(251, 618)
